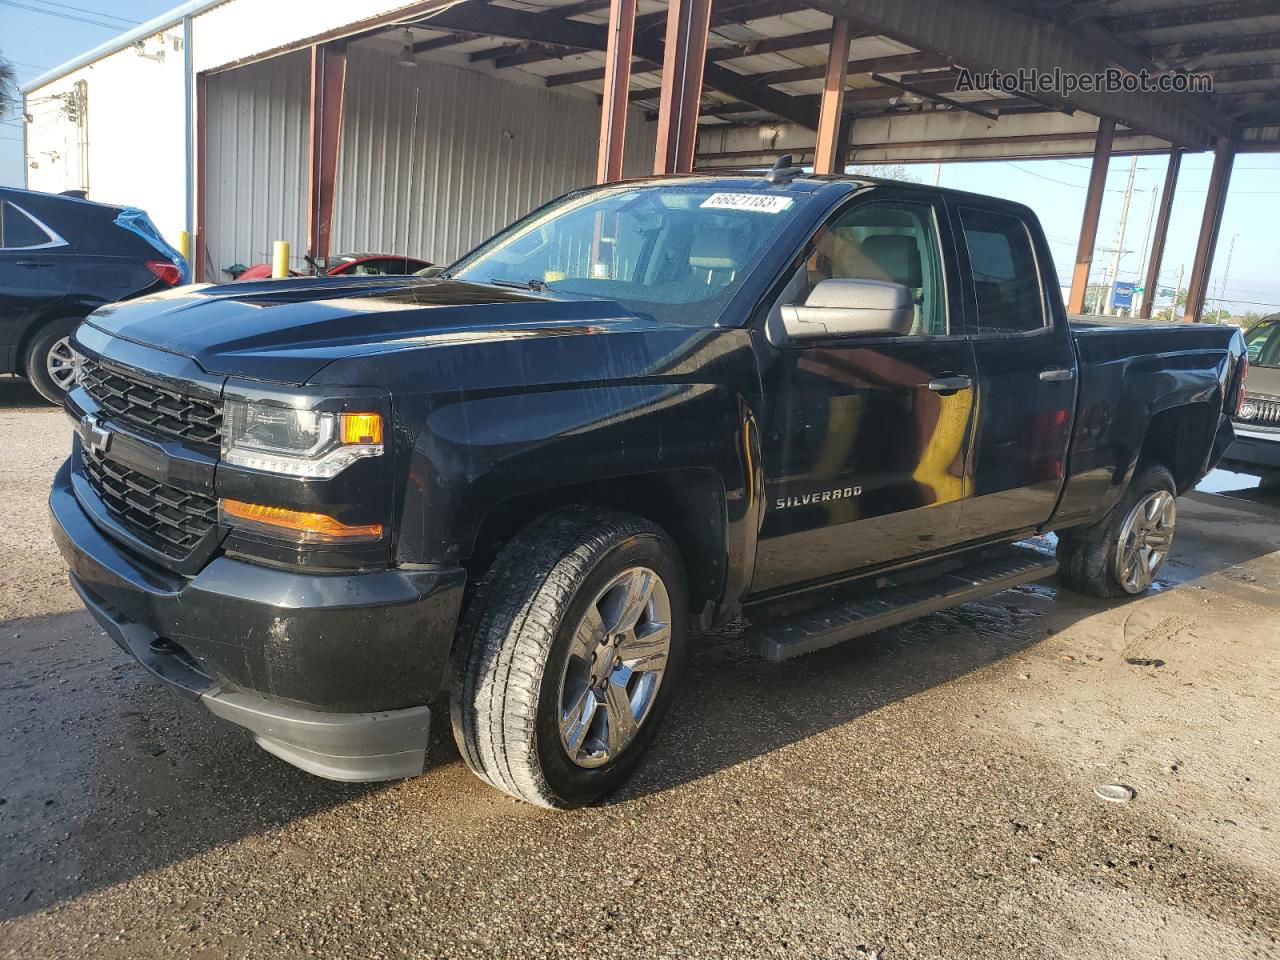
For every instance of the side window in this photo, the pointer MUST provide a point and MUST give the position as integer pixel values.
(18, 230)
(887, 240)
(1006, 281)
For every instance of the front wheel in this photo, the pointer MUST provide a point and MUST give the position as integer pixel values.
(1122, 554)
(50, 362)
(568, 655)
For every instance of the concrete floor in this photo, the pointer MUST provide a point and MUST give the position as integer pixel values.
(925, 792)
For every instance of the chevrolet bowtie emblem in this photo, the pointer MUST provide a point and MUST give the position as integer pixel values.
(94, 435)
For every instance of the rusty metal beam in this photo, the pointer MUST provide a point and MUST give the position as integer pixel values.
(613, 111)
(893, 63)
(983, 36)
(831, 109)
(328, 81)
(1189, 14)
(1151, 281)
(748, 48)
(1183, 50)
(515, 55)
(1210, 224)
(1248, 72)
(934, 97)
(1092, 213)
(537, 28)
(682, 70)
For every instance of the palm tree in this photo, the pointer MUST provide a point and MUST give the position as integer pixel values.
(8, 87)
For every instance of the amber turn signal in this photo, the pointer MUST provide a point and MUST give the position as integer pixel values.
(297, 524)
(363, 428)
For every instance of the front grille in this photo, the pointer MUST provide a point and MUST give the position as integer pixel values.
(161, 516)
(152, 409)
(1265, 411)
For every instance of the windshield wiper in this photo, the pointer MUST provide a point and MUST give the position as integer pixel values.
(534, 284)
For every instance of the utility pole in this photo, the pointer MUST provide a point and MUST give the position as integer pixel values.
(937, 174)
(1177, 291)
(1142, 265)
(1226, 269)
(1124, 220)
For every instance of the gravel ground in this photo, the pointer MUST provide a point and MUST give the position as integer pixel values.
(925, 792)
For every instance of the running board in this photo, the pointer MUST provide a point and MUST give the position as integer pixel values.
(813, 630)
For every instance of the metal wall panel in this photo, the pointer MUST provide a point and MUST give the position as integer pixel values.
(256, 162)
(435, 159)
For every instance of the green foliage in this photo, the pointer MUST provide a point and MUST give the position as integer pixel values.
(8, 87)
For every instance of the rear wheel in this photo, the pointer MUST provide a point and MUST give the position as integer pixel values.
(50, 362)
(1122, 554)
(568, 654)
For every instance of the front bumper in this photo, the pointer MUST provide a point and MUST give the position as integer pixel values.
(332, 673)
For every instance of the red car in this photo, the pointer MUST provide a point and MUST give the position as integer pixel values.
(352, 264)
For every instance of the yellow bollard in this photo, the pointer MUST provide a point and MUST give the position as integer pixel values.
(280, 260)
(184, 245)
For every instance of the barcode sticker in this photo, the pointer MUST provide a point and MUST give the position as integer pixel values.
(753, 202)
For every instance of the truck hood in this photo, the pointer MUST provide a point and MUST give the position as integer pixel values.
(287, 330)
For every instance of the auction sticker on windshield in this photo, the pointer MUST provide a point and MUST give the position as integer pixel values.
(754, 202)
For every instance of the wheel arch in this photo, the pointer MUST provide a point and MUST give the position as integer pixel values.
(689, 503)
(1174, 438)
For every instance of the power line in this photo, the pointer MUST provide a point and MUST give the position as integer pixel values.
(93, 13)
(64, 16)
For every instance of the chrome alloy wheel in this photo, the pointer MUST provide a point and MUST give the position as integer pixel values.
(616, 661)
(62, 364)
(1145, 539)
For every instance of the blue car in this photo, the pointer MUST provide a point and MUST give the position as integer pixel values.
(61, 258)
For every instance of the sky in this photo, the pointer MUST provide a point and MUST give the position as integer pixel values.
(37, 40)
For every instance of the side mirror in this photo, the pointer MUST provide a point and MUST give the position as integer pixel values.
(838, 308)
(429, 272)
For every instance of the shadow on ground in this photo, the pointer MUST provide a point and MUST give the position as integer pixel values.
(106, 776)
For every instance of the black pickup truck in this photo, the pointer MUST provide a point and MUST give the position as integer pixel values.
(827, 404)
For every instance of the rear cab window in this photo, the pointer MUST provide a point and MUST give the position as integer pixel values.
(1004, 272)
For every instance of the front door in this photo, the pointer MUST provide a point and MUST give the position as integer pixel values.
(865, 437)
(1026, 372)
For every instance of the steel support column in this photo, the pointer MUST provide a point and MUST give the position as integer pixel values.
(826, 153)
(1224, 155)
(1151, 282)
(682, 63)
(198, 245)
(328, 80)
(617, 80)
(1092, 211)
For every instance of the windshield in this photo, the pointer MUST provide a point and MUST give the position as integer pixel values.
(1263, 343)
(675, 253)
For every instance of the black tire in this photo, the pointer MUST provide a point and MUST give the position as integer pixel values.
(514, 647)
(1087, 558)
(36, 362)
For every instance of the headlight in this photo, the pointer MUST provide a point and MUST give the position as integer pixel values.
(297, 443)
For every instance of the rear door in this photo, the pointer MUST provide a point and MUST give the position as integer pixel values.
(865, 438)
(1026, 370)
(33, 274)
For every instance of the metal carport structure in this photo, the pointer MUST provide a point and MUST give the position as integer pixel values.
(739, 82)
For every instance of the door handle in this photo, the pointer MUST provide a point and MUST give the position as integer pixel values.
(949, 385)
(33, 263)
(1057, 376)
